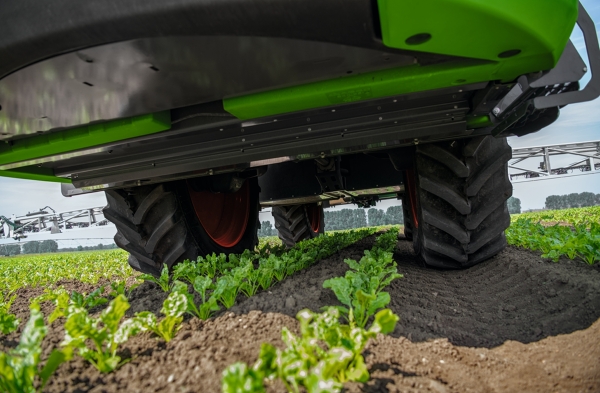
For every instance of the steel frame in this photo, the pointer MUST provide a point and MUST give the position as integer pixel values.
(19, 226)
(546, 170)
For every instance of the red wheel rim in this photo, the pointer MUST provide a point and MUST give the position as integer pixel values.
(411, 188)
(314, 213)
(224, 217)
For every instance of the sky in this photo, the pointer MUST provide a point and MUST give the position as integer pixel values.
(577, 123)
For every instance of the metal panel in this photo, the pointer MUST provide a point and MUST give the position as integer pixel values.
(154, 74)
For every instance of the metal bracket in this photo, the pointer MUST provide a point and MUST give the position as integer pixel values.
(592, 90)
(330, 179)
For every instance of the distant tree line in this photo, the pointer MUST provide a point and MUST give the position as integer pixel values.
(10, 249)
(348, 219)
(90, 248)
(46, 246)
(554, 202)
(392, 216)
(266, 229)
(345, 219)
(514, 205)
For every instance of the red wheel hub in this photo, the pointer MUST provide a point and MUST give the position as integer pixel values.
(224, 217)
(411, 188)
(314, 213)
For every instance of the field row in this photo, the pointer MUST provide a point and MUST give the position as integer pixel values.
(574, 233)
(216, 280)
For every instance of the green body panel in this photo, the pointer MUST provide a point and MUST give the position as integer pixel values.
(481, 29)
(477, 30)
(75, 139)
(34, 173)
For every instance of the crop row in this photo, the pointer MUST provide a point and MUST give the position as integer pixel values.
(576, 216)
(574, 233)
(328, 353)
(97, 339)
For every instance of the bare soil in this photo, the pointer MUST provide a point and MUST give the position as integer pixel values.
(514, 323)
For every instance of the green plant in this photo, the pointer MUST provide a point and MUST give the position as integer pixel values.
(201, 285)
(105, 333)
(326, 355)
(20, 370)
(226, 290)
(162, 281)
(8, 322)
(92, 300)
(174, 306)
(121, 288)
(360, 290)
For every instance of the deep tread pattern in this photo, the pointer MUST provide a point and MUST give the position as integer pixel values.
(150, 227)
(293, 224)
(462, 218)
(157, 225)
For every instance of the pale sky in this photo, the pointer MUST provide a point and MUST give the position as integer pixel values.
(579, 122)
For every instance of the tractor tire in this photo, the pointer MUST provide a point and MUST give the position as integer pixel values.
(298, 222)
(170, 222)
(460, 192)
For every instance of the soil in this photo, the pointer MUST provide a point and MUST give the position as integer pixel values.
(514, 323)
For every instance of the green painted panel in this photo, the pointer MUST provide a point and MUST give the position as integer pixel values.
(477, 29)
(68, 140)
(480, 29)
(34, 173)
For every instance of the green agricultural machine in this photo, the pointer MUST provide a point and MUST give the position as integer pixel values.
(192, 115)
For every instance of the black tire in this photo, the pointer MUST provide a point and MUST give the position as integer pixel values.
(157, 225)
(298, 222)
(461, 191)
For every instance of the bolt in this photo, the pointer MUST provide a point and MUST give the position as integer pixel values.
(220, 129)
(333, 110)
(309, 129)
(243, 139)
(395, 100)
(455, 106)
(416, 141)
(210, 172)
(381, 118)
(460, 91)
(322, 154)
(139, 182)
(496, 111)
(584, 69)
(153, 164)
(274, 119)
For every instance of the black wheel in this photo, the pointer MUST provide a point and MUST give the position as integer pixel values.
(460, 192)
(298, 222)
(170, 222)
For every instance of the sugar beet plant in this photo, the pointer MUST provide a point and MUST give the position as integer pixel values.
(328, 353)
(8, 322)
(579, 240)
(217, 280)
(21, 369)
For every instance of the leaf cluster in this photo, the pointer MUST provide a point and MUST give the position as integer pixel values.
(97, 339)
(581, 240)
(361, 288)
(21, 369)
(328, 353)
(8, 322)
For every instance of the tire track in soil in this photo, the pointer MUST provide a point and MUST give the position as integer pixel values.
(514, 296)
